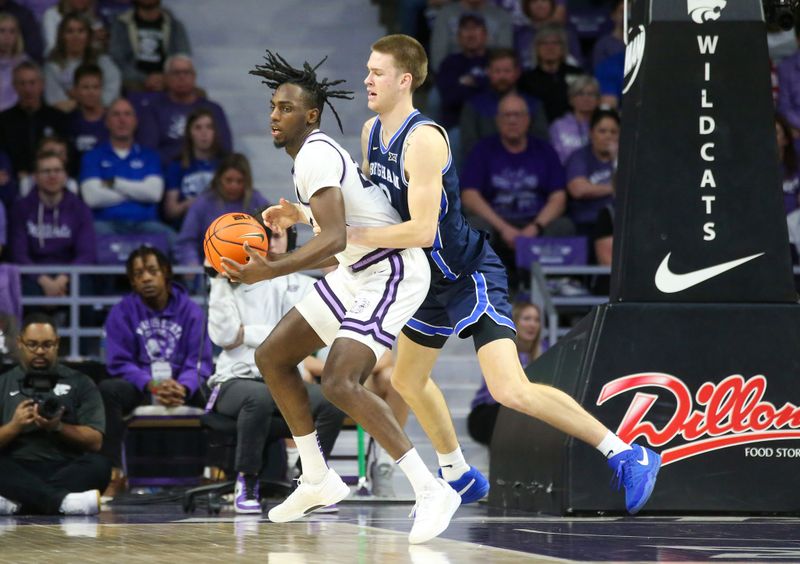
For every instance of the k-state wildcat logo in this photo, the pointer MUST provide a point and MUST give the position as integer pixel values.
(634, 54)
(733, 413)
(703, 11)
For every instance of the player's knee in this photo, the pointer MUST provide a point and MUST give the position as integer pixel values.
(510, 395)
(338, 391)
(407, 385)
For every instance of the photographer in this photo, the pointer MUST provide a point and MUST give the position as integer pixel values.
(52, 427)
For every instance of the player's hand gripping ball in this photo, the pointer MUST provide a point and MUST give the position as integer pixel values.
(226, 236)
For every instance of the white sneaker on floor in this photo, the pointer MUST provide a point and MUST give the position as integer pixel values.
(432, 513)
(309, 497)
(81, 503)
(8, 507)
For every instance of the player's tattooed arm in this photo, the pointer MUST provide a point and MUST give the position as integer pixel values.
(425, 156)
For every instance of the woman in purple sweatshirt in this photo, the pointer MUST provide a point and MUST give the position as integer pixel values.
(51, 225)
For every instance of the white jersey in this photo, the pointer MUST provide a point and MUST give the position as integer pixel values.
(321, 163)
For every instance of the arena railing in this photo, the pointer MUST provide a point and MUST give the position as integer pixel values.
(540, 294)
(76, 299)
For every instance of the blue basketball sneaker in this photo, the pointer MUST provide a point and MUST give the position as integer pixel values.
(471, 486)
(636, 470)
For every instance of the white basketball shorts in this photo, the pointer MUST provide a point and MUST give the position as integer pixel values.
(369, 301)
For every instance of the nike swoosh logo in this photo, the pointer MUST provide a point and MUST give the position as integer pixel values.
(670, 282)
(374, 148)
(255, 235)
(465, 488)
(644, 459)
(15, 392)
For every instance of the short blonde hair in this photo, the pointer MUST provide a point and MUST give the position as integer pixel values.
(409, 56)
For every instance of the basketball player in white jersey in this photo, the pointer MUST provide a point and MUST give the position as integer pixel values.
(358, 309)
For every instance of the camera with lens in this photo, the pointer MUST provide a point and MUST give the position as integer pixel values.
(39, 386)
(780, 12)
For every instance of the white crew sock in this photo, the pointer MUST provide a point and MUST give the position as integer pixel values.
(314, 465)
(415, 470)
(292, 456)
(453, 464)
(612, 444)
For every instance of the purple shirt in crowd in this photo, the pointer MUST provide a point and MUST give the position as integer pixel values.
(516, 186)
(789, 91)
(137, 336)
(190, 181)
(567, 134)
(205, 209)
(583, 162)
(85, 135)
(452, 91)
(63, 234)
(791, 190)
(162, 124)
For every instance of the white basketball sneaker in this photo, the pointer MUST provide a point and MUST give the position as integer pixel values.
(309, 497)
(8, 507)
(81, 503)
(432, 513)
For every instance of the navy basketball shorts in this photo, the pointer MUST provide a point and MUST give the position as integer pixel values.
(455, 306)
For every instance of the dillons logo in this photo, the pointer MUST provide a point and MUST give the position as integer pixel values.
(730, 413)
(634, 54)
(703, 11)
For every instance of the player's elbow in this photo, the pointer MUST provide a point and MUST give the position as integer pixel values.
(426, 237)
(337, 242)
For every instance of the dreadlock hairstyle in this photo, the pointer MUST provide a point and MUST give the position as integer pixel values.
(277, 71)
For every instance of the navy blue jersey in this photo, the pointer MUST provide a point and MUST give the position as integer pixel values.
(458, 248)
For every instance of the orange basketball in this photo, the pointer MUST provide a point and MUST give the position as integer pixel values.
(226, 236)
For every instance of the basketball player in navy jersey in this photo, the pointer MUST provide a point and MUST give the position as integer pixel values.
(408, 155)
(358, 309)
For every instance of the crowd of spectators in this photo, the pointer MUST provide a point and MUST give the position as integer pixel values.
(109, 89)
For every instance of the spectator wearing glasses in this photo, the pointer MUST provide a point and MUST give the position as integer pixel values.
(51, 225)
(48, 461)
(163, 121)
(515, 183)
(571, 132)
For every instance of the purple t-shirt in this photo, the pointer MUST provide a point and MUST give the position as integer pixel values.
(163, 122)
(791, 189)
(567, 134)
(191, 181)
(584, 163)
(517, 186)
(86, 135)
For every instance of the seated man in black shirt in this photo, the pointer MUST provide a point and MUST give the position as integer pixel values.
(49, 464)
